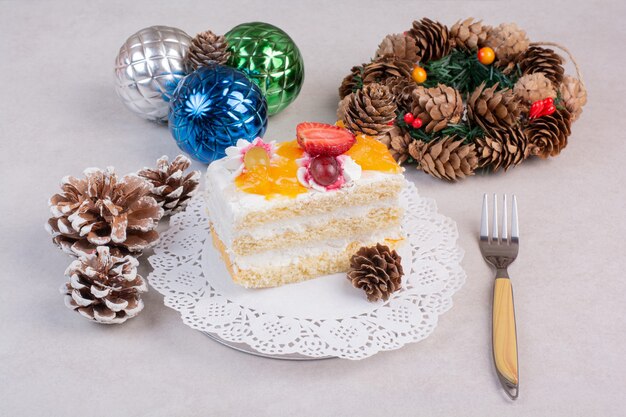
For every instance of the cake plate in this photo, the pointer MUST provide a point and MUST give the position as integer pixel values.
(317, 319)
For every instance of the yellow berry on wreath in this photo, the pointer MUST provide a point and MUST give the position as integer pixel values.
(418, 74)
(486, 55)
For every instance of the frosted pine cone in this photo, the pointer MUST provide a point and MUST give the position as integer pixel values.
(533, 87)
(508, 41)
(398, 46)
(574, 96)
(469, 34)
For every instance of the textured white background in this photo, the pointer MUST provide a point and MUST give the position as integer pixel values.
(59, 114)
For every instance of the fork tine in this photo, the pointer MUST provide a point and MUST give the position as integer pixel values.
(484, 219)
(514, 220)
(505, 220)
(494, 233)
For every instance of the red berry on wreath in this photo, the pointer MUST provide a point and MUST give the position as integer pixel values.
(408, 118)
(324, 170)
(548, 110)
(417, 123)
(486, 55)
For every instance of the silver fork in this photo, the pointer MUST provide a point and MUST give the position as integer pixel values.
(500, 250)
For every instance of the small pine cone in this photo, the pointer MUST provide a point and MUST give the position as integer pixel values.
(377, 270)
(532, 87)
(207, 47)
(401, 89)
(342, 106)
(370, 111)
(502, 148)
(547, 135)
(352, 82)
(101, 209)
(398, 46)
(172, 189)
(432, 39)
(447, 158)
(542, 60)
(491, 109)
(573, 96)
(381, 69)
(437, 106)
(398, 141)
(508, 41)
(104, 287)
(468, 34)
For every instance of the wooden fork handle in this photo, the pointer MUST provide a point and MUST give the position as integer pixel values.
(505, 336)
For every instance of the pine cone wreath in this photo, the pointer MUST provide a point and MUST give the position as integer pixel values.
(545, 61)
(573, 96)
(492, 109)
(547, 135)
(432, 39)
(437, 106)
(447, 158)
(206, 48)
(101, 209)
(352, 82)
(508, 42)
(104, 287)
(385, 67)
(401, 89)
(398, 46)
(377, 270)
(398, 141)
(502, 148)
(370, 111)
(532, 87)
(468, 34)
(172, 189)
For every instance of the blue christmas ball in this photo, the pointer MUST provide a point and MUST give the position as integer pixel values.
(212, 108)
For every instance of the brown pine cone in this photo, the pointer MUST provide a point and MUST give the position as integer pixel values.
(468, 34)
(104, 287)
(447, 158)
(385, 67)
(437, 106)
(532, 87)
(377, 270)
(401, 89)
(491, 109)
(101, 209)
(502, 148)
(352, 82)
(172, 189)
(206, 48)
(342, 106)
(398, 141)
(398, 46)
(573, 96)
(542, 60)
(547, 135)
(432, 39)
(508, 41)
(370, 111)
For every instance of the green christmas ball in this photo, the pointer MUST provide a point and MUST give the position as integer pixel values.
(270, 58)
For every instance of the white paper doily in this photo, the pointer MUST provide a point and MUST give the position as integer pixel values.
(322, 317)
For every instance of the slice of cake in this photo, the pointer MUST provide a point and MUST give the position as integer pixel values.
(288, 212)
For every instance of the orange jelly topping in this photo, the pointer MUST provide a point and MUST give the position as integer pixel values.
(279, 179)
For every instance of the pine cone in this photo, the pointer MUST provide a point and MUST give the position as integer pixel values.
(468, 34)
(447, 158)
(432, 39)
(437, 106)
(502, 148)
(547, 135)
(398, 46)
(342, 106)
(385, 67)
(573, 96)
(491, 109)
(401, 89)
(104, 287)
(172, 188)
(541, 60)
(532, 87)
(352, 82)
(206, 48)
(377, 270)
(398, 141)
(370, 110)
(100, 210)
(508, 41)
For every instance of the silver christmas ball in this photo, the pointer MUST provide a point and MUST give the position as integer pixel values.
(148, 67)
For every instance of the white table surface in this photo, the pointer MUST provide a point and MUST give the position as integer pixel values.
(59, 114)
